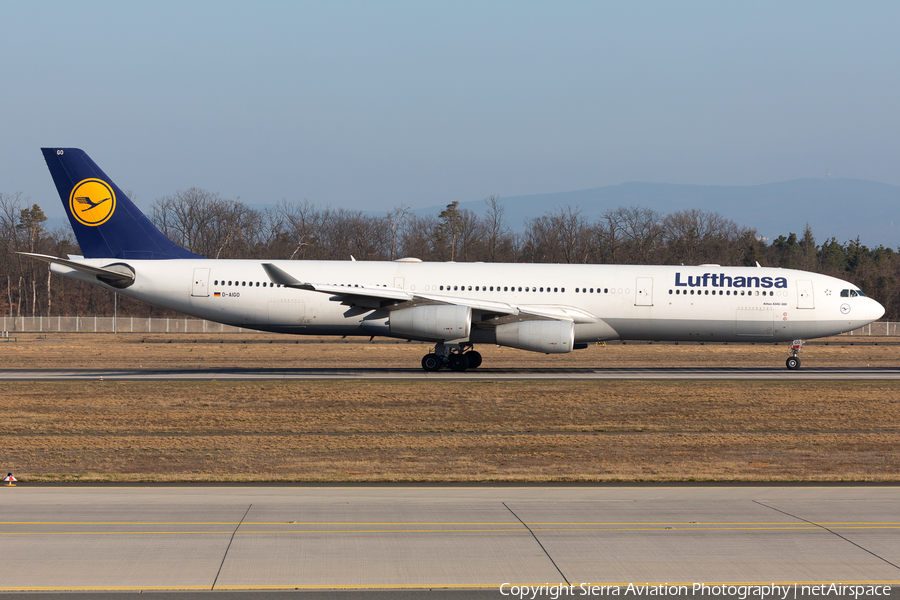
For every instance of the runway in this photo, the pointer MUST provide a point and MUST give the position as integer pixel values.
(375, 374)
(195, 537)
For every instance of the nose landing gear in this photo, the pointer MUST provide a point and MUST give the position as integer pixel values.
(793, 361)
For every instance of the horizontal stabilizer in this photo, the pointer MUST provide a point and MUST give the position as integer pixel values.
(107, 274)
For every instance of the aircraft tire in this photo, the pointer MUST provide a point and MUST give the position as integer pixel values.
(458, 362)
(793, 363)
(431, 362)
(474, 359)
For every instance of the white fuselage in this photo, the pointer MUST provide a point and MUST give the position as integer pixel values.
(676, 303)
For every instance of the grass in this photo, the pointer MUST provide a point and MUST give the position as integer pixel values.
(451, 431)
(189, 351)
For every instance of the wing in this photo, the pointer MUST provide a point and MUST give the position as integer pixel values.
(486, 313)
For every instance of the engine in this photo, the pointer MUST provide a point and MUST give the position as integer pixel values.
(550, 337)
(438, 322)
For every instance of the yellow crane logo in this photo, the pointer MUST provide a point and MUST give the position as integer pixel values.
(92, 202)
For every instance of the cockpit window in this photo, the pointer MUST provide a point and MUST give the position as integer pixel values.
(860, 293)
(845, 293)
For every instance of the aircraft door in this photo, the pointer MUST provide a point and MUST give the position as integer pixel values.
(398, 283)
(805, 297)
(200, 285)
(643, 290)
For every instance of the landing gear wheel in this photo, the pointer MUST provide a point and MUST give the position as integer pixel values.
(474, 359)
(431, 362)
(793, 363)
(458, 362)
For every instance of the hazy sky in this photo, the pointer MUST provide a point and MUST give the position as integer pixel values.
(375, 104)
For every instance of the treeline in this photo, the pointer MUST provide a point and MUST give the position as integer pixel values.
(216, 227)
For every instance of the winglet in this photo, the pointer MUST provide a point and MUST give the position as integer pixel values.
(278, 276)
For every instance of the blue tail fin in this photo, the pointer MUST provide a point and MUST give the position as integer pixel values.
(106, 223)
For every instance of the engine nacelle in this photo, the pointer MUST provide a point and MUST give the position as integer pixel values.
(438, 322)
(550, 337)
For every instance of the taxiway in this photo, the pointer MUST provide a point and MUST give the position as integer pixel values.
(375, 374)
(195, 537)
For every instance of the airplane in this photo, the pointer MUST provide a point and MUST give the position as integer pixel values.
(549, 308)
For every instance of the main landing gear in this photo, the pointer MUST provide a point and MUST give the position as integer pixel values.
(793, 361)
(454, 356)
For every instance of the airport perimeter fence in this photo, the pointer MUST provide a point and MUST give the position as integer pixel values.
(114, 325)
(162, 325)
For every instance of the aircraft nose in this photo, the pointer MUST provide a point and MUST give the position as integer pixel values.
(877, 310)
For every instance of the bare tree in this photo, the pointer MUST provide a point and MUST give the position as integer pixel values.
(497, 238)
(639, 229)
(395, 219)
(693, 236)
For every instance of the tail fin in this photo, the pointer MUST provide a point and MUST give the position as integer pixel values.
(106, 223)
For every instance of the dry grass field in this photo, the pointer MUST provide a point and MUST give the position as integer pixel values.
(441, 430)
(259, 350)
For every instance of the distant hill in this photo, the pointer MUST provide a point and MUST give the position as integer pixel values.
(839, 208)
